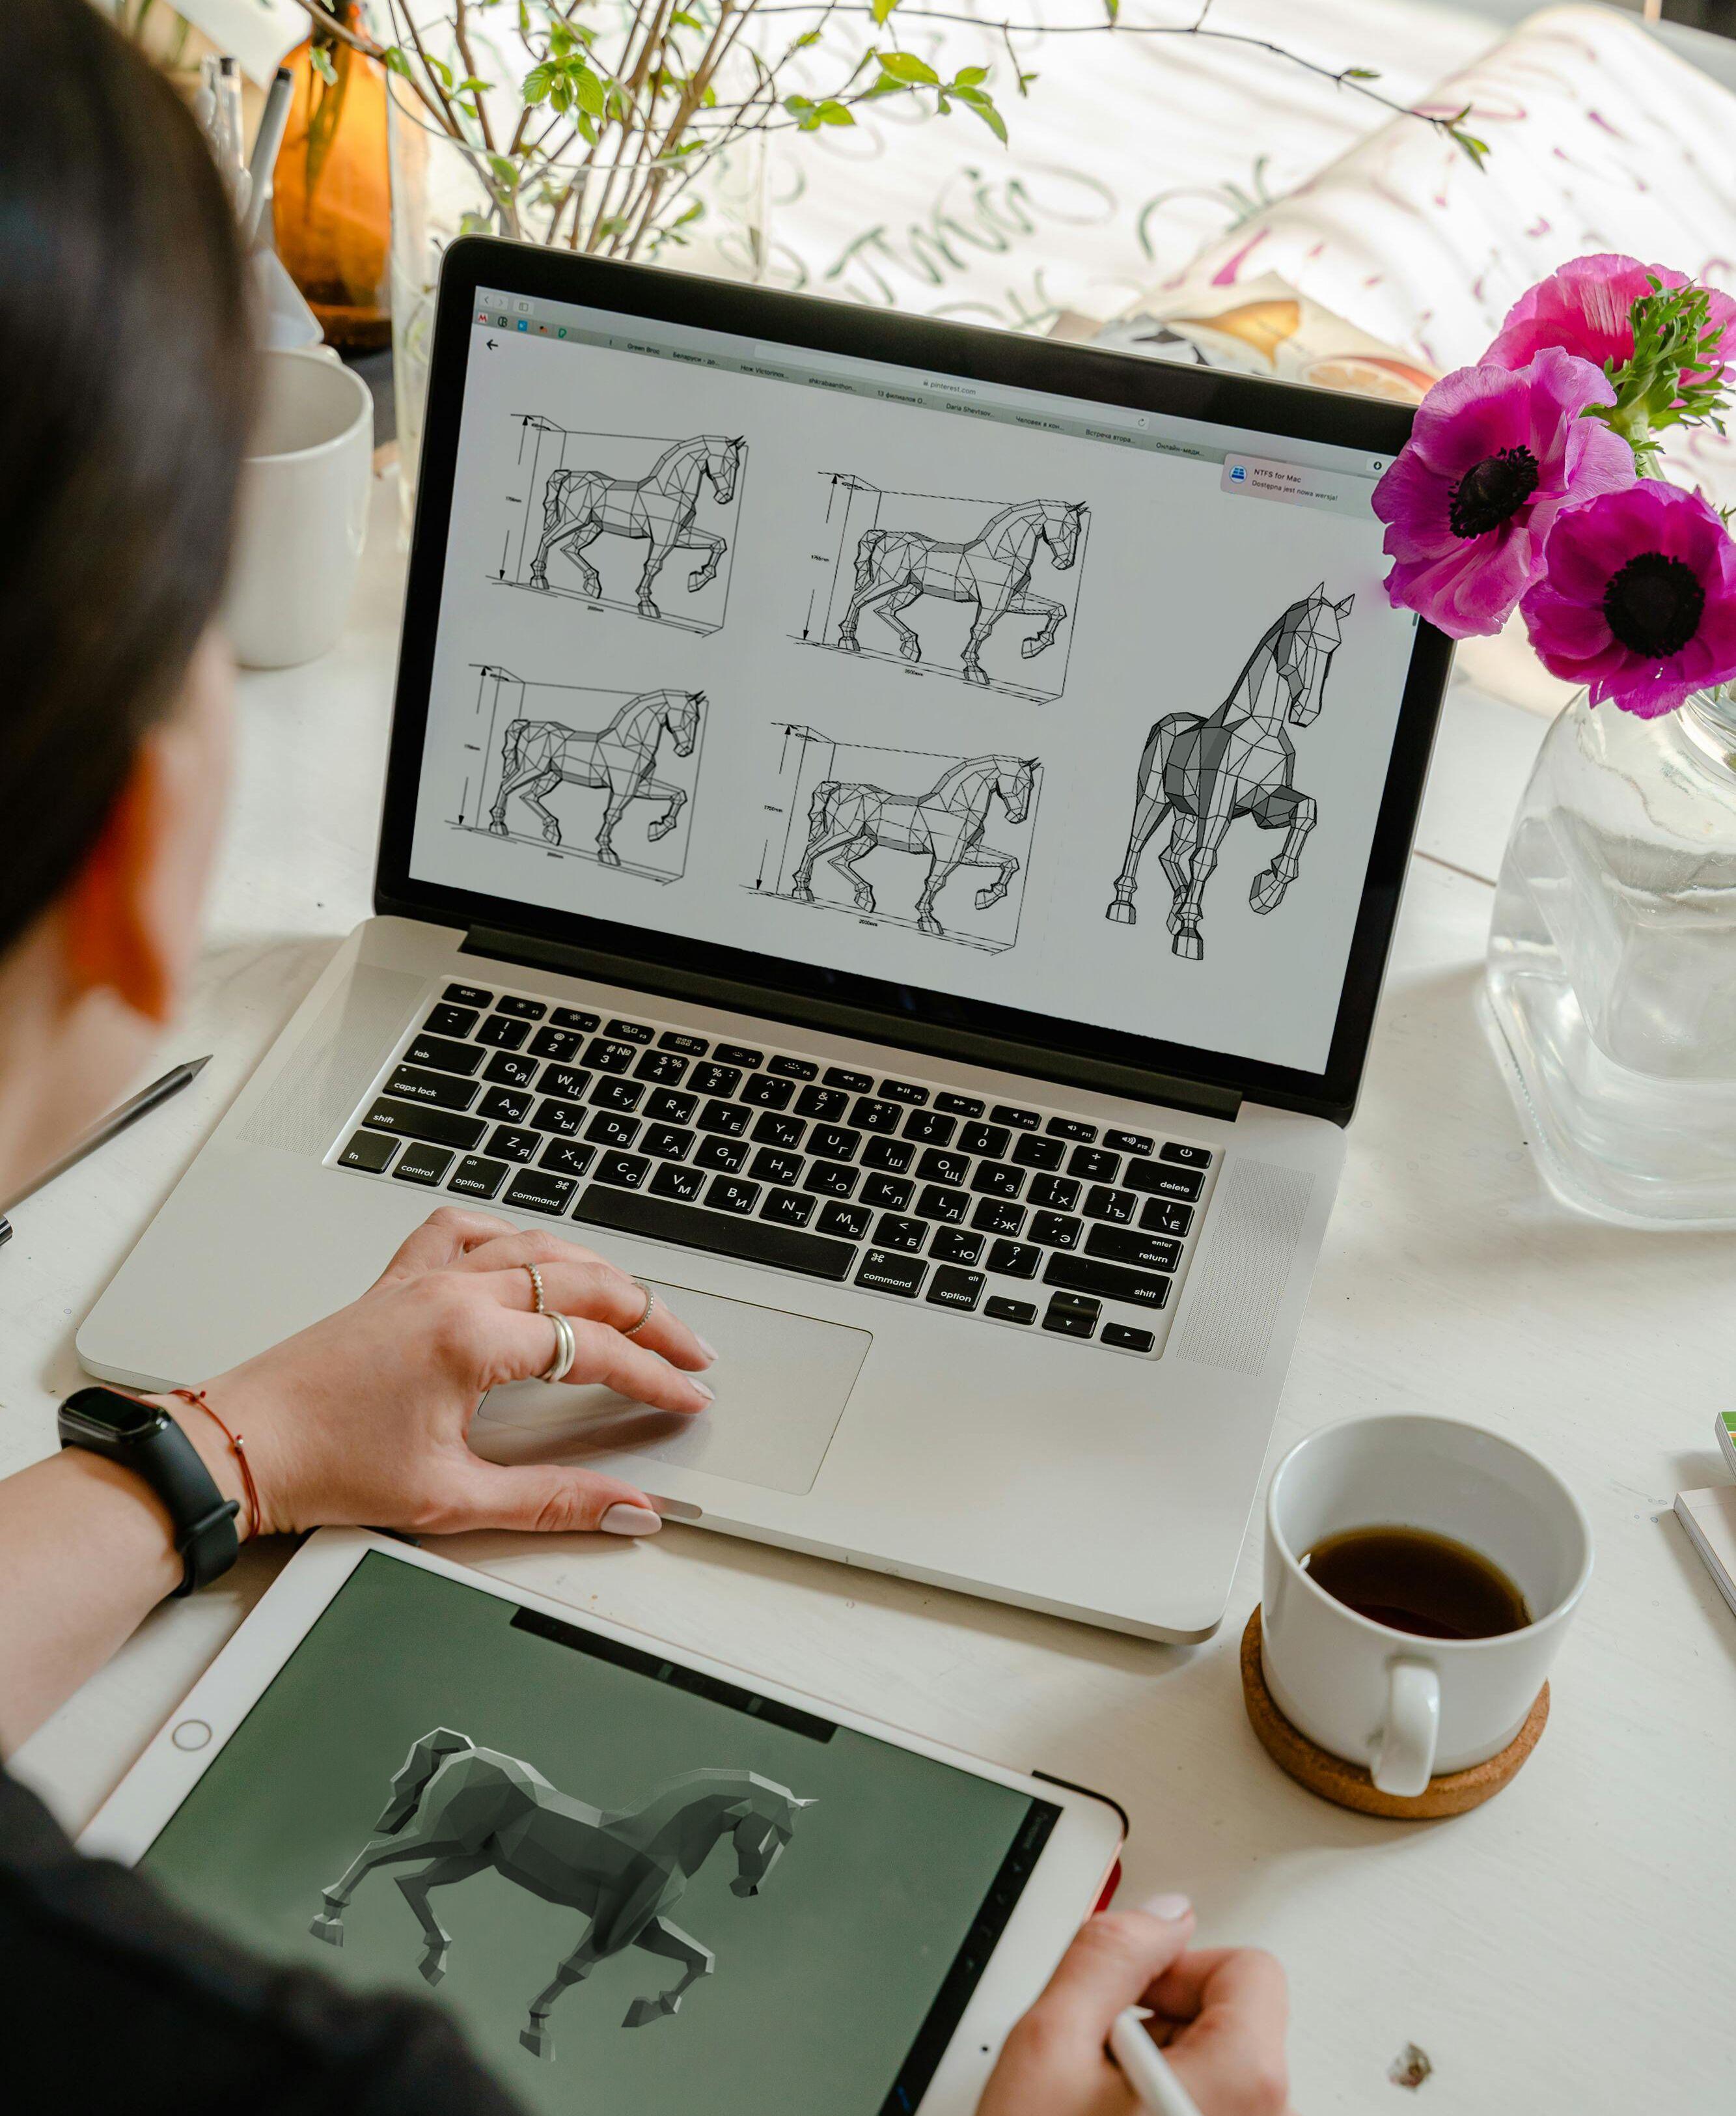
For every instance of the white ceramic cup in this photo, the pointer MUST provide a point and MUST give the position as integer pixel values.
(1410, 1709)
(303, 517)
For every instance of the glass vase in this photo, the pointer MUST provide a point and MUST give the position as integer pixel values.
(1611, 981)
(331, 208)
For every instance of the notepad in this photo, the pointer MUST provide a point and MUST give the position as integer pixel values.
(1710, 1518)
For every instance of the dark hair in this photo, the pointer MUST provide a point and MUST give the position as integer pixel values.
(126, 388)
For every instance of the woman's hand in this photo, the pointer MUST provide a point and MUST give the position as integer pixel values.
(363, 1417)
(1220, 2014)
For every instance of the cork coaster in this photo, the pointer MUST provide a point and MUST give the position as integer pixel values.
(1348, 1784)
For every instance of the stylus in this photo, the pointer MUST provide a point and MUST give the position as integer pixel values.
(129, 1113)
(1145, 2068)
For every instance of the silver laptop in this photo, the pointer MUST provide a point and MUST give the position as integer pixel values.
(893, 831)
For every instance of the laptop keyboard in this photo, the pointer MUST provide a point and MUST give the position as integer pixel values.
(1012, 1213)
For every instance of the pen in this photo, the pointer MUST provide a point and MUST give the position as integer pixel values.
(1145, 2068)
(117, 1122)
(266, 142)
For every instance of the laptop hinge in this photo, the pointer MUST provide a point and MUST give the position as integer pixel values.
(806, 1010)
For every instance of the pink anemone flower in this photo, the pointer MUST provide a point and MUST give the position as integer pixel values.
(1586, 309)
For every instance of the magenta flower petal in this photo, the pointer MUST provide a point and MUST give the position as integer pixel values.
(1637, 599)
(1586, 308)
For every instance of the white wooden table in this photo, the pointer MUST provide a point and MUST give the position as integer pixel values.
(1562, 1950)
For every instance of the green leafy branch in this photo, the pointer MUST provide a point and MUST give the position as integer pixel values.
(1675, 375)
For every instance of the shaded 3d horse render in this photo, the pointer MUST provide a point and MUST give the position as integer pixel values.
(462, 1809)
(538, 755)
(1206, 771)
(894, 567)
(847, 821)
(657, 510)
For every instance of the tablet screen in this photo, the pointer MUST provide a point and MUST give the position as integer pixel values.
(638, 1887)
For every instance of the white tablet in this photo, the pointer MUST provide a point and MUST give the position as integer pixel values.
(642, 1880)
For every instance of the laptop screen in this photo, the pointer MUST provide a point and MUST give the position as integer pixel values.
(1030, 701)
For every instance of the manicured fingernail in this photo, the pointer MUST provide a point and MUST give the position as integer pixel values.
(1172, 1908)
(710, 1395)
(709, 1350)
(622, 1519)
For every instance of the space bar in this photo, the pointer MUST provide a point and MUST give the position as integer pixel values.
(630, 1212)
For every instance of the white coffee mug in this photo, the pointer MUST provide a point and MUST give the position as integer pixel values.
(303, 516)
(1410, 1709)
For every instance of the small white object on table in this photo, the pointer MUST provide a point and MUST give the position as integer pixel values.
(1558, 1950)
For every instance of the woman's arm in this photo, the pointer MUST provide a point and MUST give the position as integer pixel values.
(361, 1419)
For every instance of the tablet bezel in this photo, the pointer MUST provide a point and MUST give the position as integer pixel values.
(1072, 1872)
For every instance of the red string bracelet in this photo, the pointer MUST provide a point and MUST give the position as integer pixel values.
(235, 1448)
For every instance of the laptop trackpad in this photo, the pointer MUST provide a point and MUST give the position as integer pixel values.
(782, 1383)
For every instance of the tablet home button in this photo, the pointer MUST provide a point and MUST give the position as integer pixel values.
(191, 1734)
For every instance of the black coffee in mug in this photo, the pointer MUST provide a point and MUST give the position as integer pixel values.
(1413, 1580)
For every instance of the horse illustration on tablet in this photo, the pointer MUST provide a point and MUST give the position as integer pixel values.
(461, 1810)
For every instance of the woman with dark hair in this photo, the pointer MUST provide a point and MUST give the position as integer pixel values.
(125, 397)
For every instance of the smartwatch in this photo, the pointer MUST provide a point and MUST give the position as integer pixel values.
(146, 1440)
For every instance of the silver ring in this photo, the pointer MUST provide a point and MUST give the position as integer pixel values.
(565, 1349)
(650, 1308)
(536, 1287)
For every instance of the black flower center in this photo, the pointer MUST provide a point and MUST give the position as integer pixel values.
(1492, 492)
(1653, 605)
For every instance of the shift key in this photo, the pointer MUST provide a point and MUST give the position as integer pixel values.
(1110, 1281)
(413, 1120)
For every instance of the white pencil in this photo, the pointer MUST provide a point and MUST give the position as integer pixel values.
(1145, 2068)
(266, 143)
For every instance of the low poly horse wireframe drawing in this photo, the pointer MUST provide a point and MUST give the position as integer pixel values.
(657, 510)
(538, 755)
(1205, 772)
(894, 567)
(462, 1809)
(945, 826)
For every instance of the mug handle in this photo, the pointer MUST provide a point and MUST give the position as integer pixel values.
(1404, 1753)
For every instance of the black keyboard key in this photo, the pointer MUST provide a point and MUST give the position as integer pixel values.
(989, 1140)
(1112, 1281)
(1055, 1230)
(903, 1091)
(611, 1093)
(757, 1241)
(475, 1178)
(629, 1031)
(789, 1208)
(369, 1151)
(1070, 1316)
(853, 1084)
(671, 1108)
(689, 1047)
(998, 1179)
(1046, 1154)
(411, 1120)
(445, 1056)
(893, 1232)
(513, 1143)
(1093, 1165)
(566, 1081)
(672, 1182)
(1072, 1128)
(772, 1129)
(930, 1128)
(1160, 1179)
(1101, 1203)
(1058, 1193)
(423, 1164)
(960, 1106)
(1127, 1141)
(727, 1156)
(884, 1271)
(728, 1193)
(553, 1115)
(769, 1166)
(504, 1106)
(1128, 1245)
(573, 1017)
(952, 1288)
(737, 1054)
(710, 1079)
(1014, 1259)
(997, 1216)
(1184, 1155)
(604, 1057)
(895, 1154)
(451, 1021)
(666, 1142)
(954, 1245)
(728, 1119)
(445, 1090)
(794, 1068)
(1163, 1216)
(526, 1010)
(827, 1178)
(870, 1114)
(1003, 1113)
(765, 1093)
(826, 1105)
(936, 1202)
(625, 1171)
(468, 995)
(510, 1069)
(608, 1128)
(668, 1069)
(848, 1223)
(536, 1190)
(502, 1031)
(1001, 1309)
(566, 1156)
(1125, 1338)
(890, 1192)
(937, 1165)
(559, 1044)
(832, 1143)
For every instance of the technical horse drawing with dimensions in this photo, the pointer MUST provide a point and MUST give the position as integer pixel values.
(620, 761)
(1204, 772)
(463, 1810)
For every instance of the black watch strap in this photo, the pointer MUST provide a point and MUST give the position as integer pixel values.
(143, 1438)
